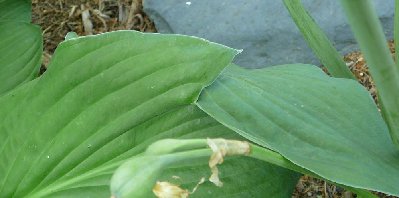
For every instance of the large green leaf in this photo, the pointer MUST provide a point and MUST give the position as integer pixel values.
(15, 10)
(104, 99)
(8, 103)
(329, 126)
(20, 54)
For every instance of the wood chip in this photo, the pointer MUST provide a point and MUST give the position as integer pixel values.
(87, 24)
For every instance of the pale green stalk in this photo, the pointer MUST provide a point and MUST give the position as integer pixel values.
(166, 146)
(272, 157)
(186, 150)
(370, 36)
(317, 40)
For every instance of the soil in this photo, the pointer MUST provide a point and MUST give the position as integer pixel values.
(58, 17)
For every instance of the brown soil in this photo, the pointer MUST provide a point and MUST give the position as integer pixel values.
(58, 17)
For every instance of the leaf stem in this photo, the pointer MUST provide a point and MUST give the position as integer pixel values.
(318, 40)
(170, 152)
(370, 36)
(173, 145)
(272, 157)
(181, 151)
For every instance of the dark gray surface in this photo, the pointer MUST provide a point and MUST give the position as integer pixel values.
(262, 28)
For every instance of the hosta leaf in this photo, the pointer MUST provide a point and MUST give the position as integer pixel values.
(8, 103)
(104, 99)
(242, 177)
(327, 125)
(15, 10)
(20, 54)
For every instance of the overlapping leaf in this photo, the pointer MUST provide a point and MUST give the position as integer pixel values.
(20, 54)
(329, 126)
(15, 10)
(103, 100)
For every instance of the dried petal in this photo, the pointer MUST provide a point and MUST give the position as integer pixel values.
(222, 148)
(168, 190)
(199, 183)
(214, 178)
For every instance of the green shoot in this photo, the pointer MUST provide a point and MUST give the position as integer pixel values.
(317, 40)
(370, 36)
